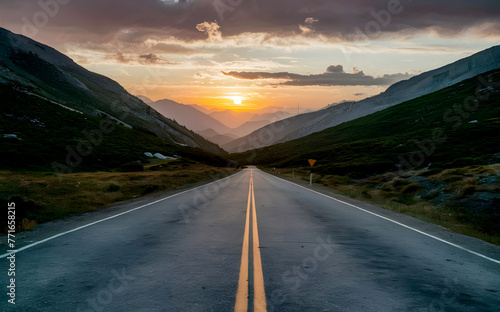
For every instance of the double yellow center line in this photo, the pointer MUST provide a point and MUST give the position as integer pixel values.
(259, 296)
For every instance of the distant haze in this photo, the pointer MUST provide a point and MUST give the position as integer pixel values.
(220, 127)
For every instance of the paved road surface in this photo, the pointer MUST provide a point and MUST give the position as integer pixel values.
(202, 249)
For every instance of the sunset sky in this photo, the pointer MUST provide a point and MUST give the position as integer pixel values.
(247, 54)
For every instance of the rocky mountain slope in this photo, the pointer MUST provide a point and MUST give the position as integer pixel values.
(43, 72)
(428, 82)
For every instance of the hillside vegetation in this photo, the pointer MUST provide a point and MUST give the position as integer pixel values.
(333, 115)
(53, 138)
(454, 127)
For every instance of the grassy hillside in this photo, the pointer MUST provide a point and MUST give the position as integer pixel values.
(47, 133)
(459, 126)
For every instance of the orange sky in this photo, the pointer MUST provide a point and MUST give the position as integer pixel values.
(262, 53)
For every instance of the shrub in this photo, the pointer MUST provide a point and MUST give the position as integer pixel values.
(150, 189)
(410, 188)
(466, 191)
(113, 188)
(430, 172)
(434, 193)
(131, 167)
(399, 182)
(365, 194)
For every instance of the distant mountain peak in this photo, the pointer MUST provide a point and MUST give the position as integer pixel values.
(145, 99)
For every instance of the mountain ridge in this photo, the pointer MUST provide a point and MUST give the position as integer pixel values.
(425, 83)
(211, 125)
(188, 116)
(38, 69)
(435, 131)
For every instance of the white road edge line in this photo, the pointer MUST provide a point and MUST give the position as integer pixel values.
(396, 222)
(112, 217)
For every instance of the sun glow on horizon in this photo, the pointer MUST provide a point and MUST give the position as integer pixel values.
(237, 100)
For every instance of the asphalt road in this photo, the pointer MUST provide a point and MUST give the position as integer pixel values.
(199, 250)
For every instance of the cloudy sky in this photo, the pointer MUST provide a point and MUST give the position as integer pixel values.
(258, 52)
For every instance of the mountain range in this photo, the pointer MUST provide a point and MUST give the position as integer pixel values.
(187, 115)
(425, 83)
(221, 126)
(42, 73)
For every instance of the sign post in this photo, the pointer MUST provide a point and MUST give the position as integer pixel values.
(311, 162)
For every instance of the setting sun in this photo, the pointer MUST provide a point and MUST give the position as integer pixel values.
(236, 100)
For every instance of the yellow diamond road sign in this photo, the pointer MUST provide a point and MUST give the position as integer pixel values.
(312, 162)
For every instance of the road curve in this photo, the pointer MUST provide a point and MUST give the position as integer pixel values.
(185, 252)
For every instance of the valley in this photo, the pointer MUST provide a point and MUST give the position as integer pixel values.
(219, 126)
(281, 156)
(423, 137)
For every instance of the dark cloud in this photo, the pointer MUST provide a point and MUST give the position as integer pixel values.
(103, 21)
(144, 59)
(119, 57)
(171, 49)
(335, 69)
(262, 75)
(157, 48)
(153, 59)
(330, 78)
